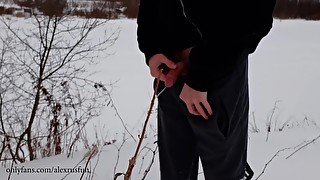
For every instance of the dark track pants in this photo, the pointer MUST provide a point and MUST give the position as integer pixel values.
(220, 142)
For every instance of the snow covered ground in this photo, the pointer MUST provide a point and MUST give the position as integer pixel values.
(285, 68)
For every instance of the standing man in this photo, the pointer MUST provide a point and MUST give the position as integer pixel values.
(204, 110)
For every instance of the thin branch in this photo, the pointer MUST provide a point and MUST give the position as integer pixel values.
(154, 152)
(133, 160)
(93, 152)
(254, 127)
(65, 59)
(270, 119)
(266, 165)
(1, 119)
(11, 49)
(50, 43)
(17, 36)
(40, 32)
(10, 173)
(305, 145)
(118, 154)
(119, 116)
(95, 166)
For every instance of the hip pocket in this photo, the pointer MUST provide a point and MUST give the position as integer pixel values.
(220, 116)
(222, 119)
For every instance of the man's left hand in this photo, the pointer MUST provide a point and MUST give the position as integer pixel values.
(196, 102)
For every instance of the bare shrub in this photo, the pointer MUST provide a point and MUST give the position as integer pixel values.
(297, 9)
(47, 96)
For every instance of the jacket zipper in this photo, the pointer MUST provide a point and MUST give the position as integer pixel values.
(188, 19)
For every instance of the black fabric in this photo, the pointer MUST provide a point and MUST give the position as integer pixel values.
(222, 36)
(248, 172)
(220, 142)
(222, 31)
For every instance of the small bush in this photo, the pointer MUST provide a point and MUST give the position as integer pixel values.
(2, 10)
(297, 9)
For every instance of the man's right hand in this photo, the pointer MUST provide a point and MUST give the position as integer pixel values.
(154, 63)
(171, 75)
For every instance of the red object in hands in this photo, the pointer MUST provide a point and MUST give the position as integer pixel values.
(171, 75)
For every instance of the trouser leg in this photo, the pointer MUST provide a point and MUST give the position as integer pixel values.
(177, 144)
(222, 151)
(221, 141)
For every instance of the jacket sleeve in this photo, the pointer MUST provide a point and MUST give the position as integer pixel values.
(203, 71)
(165, 31)
(148, 30)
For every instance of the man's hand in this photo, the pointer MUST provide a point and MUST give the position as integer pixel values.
(175, 70)
(181, 69)
(171, 76)
(196, 102)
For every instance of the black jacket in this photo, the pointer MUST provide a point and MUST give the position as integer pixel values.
(219, 33)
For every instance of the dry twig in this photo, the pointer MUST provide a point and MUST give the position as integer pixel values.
(133, 160)
(270, 119)
(154, 152)
(266, 165)
(305, 145)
